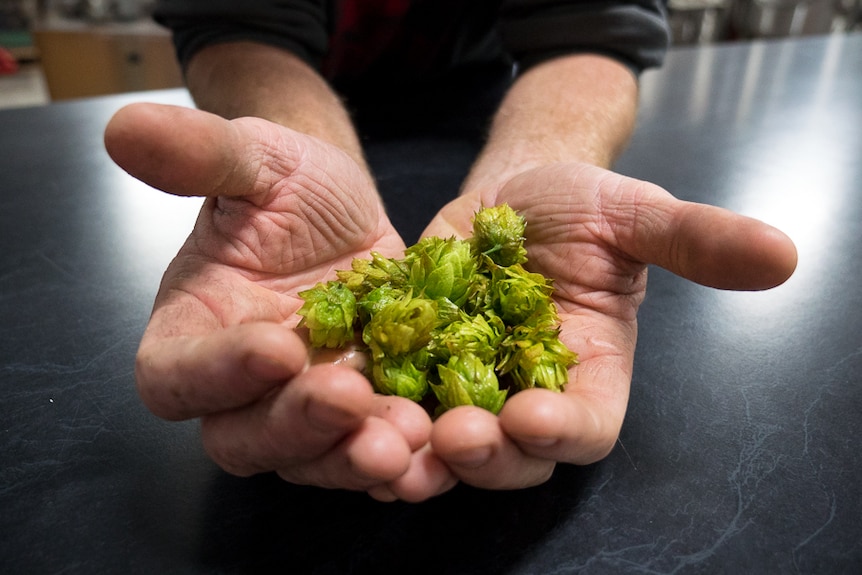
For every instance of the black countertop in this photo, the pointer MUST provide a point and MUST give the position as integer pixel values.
(740, 452)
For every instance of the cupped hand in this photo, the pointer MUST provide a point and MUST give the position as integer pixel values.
(283, 211)
(594, 232)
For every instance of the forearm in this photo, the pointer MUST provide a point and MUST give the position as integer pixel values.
(574, 108)
(245, 79)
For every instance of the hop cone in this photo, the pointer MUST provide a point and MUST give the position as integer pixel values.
(329, 312)
(518, 296)
(498, 233)
(400, 377)
(401, 327)
(441, 268)
(366, 275)
(478, 335)
(377, 299)
(467, 380)
(537, 358)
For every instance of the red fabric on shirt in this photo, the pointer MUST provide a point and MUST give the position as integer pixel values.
(365, 29)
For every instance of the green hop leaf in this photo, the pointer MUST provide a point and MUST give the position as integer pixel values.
(467, 380)
(498, 233)
(329, 312)
(400, 327)
(400, 377)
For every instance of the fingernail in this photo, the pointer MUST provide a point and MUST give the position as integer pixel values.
(471, 458)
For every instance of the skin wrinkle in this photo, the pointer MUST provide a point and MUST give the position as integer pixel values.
(214, 299)
(325, 237)
(344, 218)
(312, 193)
(651, 212)
(275, 158)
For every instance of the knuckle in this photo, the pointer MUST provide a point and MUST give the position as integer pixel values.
(146, 383)
(157, 393)
(231, 456)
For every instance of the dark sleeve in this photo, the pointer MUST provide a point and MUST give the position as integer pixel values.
(634, 32)
(299, 26)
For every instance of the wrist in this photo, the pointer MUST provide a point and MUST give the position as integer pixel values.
(578, 108)
(238, 79)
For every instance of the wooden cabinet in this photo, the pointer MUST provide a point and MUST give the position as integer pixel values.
(81, 60)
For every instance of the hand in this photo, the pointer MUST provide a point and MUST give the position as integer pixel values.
(283, 211)
(593, 232)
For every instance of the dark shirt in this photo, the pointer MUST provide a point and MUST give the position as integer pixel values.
(350, 40)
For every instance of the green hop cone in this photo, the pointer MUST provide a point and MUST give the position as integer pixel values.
(467, 380)
(366, 275)
(377, 299)
(400, 327)
(537, 358)
(400, 377)
(441, 268)
(456, 317)
(498, 233)
(479, 335)
(518, 296)
(329, 312)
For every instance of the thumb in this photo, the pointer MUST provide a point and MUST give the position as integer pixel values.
(184, 151)
(189, 152)
(706, 244)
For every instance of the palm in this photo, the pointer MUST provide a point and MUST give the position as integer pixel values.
(594, 232)
(252, 251)
(284, 211)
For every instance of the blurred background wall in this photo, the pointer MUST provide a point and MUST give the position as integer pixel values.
(53, 50)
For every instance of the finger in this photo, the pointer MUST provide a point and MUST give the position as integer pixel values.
(308, 190)
(373, 454)
(302, 421)
(470, 441)
(190, 152)
(180, 150)
(378, 452)
(579, 426)
(194, 153)
(408, 417)
(188, 376)
(706, 244)
(426, 477)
